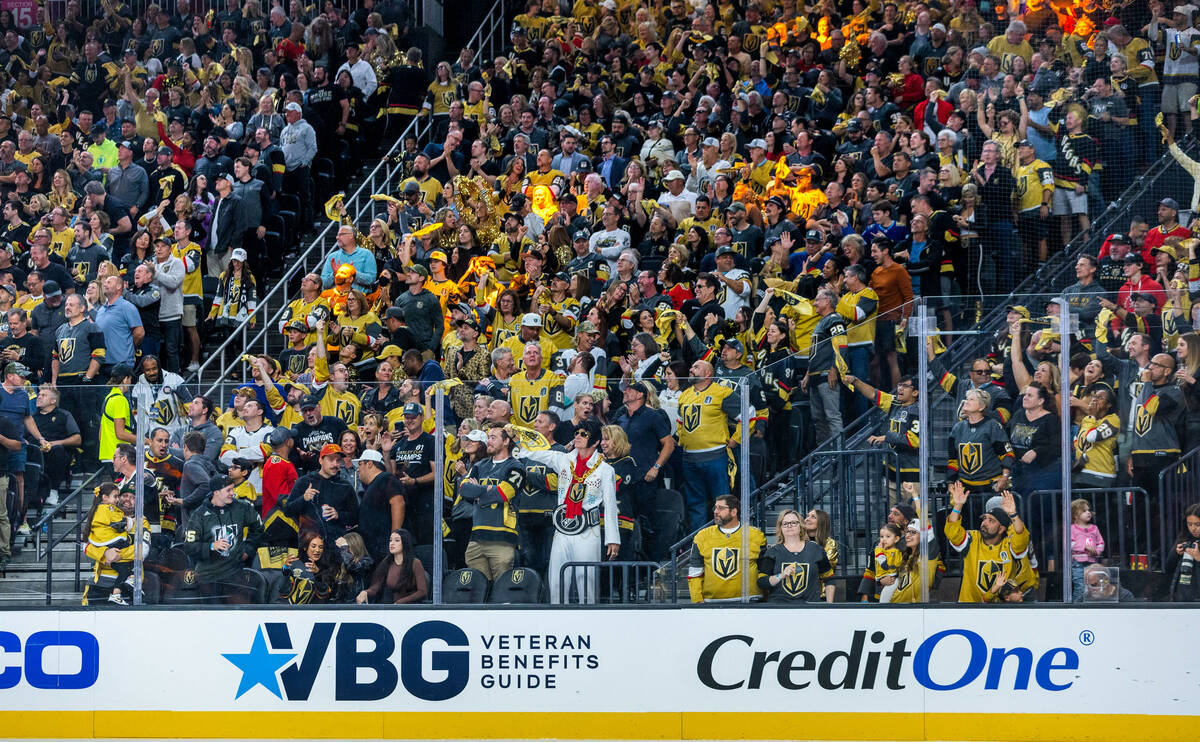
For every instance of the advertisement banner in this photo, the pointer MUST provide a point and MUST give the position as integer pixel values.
(1053, 674)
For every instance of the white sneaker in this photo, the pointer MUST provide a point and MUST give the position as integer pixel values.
(24, 529)
(118, 599)
(52, 498)
(193, 367)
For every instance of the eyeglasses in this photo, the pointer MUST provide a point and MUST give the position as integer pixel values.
(981, 370)
(790, 523)
(1160, 365)
(720, 507)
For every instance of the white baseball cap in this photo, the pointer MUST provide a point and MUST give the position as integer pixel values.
(238, 254)
(370, 454)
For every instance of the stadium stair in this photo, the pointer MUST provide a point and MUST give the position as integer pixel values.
(23, 581)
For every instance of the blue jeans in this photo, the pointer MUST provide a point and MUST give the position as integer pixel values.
(858, 359)
(703, 482)
(1077, 581)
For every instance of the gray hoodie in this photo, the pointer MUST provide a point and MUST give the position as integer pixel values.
(193, 486)
(212, 440)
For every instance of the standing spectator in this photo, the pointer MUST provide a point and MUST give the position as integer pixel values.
(78, 352)
(121, 324)
(1087, 544)
(794, 567)
(707, 410)
(892, 284)
(169, 273)
(980, 454)
(62, 433)
(491, 486)
(127, 181)
(382, 503)
(1155, 442)
(323, 501)
(824, 364)
(298, 141)
(227, 227)
(995, 219)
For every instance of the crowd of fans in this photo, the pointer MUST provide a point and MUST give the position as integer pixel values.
(632, 214)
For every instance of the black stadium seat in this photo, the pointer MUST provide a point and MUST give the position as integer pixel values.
(668, 523)
(464, 586)
(521, 585)
(425, 554)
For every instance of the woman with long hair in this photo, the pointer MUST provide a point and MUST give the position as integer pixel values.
(359, 324)
(61, 193)
(1182, 560)
(357, 565)
(311, 575)
(614, 444)
(400, 577)
(467, 448)
(511, 178)
(141, 250)
(382, 396)
(236, 299)
(912, 570)
(819, 527)
(506, 320)
(793, 568)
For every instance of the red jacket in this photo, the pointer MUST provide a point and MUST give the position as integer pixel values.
(181, 157)
(907, 95)
(278, 476)
(942, 112)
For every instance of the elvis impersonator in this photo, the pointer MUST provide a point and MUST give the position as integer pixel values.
(587, 502)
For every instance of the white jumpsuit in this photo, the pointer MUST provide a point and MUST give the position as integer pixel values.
(600, 485)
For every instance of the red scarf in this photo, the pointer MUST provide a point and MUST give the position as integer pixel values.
(574, 508)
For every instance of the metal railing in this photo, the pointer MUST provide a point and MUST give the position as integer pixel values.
(490, 38)
(224, 360)
(1178, 487)
(617, 582)
(46, 550)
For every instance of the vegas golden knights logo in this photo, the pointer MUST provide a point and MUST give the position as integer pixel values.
(464, 578)
(189, 577)
(66, 349)
(691, 417)
(798, 580)
(344, 410)
(302, 592)
(725, 562)
(578, 491)
(986, 574)
(518, 576)
(970, 456)
(529, 408)
(1142, 420)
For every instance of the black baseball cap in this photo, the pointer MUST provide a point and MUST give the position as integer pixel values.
(309, 402)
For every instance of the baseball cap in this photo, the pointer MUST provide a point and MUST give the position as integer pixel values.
(724, 250)
(330, 449)
(297, 325)
(238, 254)
(907, 510)
(370, 454)
(165, 150)
(394, 313)
(531, 320)
(760, 143)
(1143, 296)
(19, 369)
(1133, 257)
(222, 175)
(419, 269)
(938, 27)
(293, 106)
(1118, 237)
(476, 435)
(640, 388)
(586, 327)
(736, 206)
(710, 142)
(1024, 143)
(1170, 203)
(99, 128)
(414, 409)
(734, 343)
(562, 276)
(51, 289)
(279, 436)
(412, 187)
(1019, 309)
(218, 482)
(814, 235)
(126, 144)
(439, 255)
(777, 201)
(672, 175)
(582, 235)
(390, 350)
(309, 402)
(1166, 249)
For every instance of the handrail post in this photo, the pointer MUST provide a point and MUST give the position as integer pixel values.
(1065, 327)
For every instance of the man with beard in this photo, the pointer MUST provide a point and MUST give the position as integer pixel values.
(21, 346)
(329, 102)
(162, 393)
(62, 433)
(990, 553)
(492, 486)
(410, 459)
(212, 162)
(716, 561)
(312, 433)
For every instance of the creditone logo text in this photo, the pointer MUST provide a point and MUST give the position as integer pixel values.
(963, 658)
(358, 646)
(42, 674)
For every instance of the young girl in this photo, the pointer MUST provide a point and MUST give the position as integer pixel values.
(888, 558)
(1086, 544)
(109, 529)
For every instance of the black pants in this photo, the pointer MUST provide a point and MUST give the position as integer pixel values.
(172, 343)
(298, 182)
(80, 400)
(536, 532)
(57, 466)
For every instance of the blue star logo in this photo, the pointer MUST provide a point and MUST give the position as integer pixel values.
(259, 666)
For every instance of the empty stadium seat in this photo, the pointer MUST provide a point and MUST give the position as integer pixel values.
(464, 586)
(521, 585)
